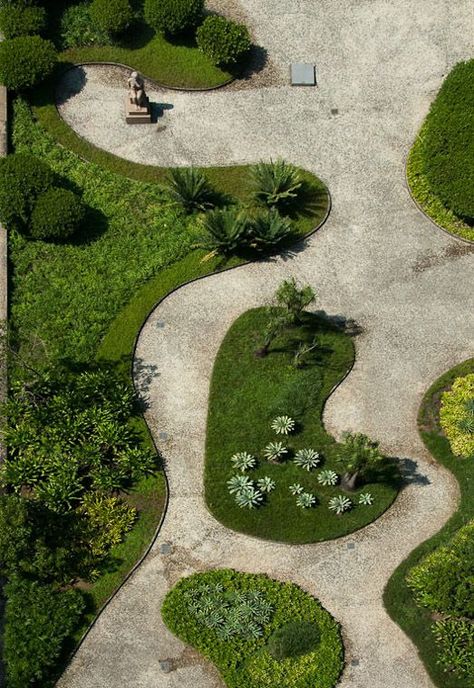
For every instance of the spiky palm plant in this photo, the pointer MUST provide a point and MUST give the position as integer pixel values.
(266, 484)
(327, 477)
(274, 451)
(249, 498)
(366, 498)
(225, 231)
(305, 500)
(238, 483)
(243, 461)
(283, 425)
(268, 230)
(340, 504)
(307, 459)
(191, 189)
(276, 184)
(296, 489)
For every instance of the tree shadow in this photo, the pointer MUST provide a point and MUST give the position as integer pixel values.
(144, 374)
(410, 474)
(250, 64)
(69, 83)
(137, 36)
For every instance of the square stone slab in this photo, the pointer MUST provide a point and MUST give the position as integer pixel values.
(303, 74)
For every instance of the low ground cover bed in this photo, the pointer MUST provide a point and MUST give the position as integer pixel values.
(257, 631)
(247, 393)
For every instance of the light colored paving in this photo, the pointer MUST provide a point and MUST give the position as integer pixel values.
(377, 260)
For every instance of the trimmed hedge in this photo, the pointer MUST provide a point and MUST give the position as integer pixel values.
(173, 16)
(449, 142)
(21, 21)
(244, 660)
(58, 214)
(222, 40)
(25, 61)
(112, 16)
(23, 178)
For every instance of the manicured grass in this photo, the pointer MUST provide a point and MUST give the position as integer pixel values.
(426, 199)
(247, 392)
(414, 620)
(244, 661)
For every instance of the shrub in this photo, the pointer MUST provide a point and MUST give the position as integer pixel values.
(222, 40)
(106, 521)
(23, 178)
(293, 640)
(25, 61)
(275, 451)
(21, 21)
(268, 230)
(191, 189)
(226, 231)
(38, 619)
(173, 16)
(448, 145)
(78, 29)
(457, 415)
(327, 477)
(111, 16)
(58, 214)
(455, 640)
(276, 184)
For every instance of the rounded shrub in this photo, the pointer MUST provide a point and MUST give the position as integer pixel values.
(112, 16)
(23, 178)
(16, 20)
(222, 40)
(58, 213)
(78, 29)
(173, 16)
(293, 640)
(25, 61)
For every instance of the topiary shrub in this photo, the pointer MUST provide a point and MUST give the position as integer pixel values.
(23, 178)
(78, 29)
(293, 640)
(222, 40)
(112, 16)
(173, 16)
(58, 214)
(21, 21)
(457, 416)
(25, 61)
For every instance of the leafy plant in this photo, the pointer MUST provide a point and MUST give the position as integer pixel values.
(357, 453)
(276, 184)
(238, 483)
(173, 16)
(25, 61)
(283, 425)
(222, 40)
(243, 461)
(340, 504)
(296, 489)
(307, 458)
(327, 477)
(190, 188)
(266, 484)
(57, 214)
(78, 29)
(269, 229)
(106, 522)
(293, 298)
(455, 640)
(274, 451)
(21, 20)
(305, 500)
(366, 498)
(226, 231)
(249, 498)
(111, 16)
(457, 415)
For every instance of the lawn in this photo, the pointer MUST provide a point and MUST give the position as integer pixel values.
(247, 392)
(416, 621)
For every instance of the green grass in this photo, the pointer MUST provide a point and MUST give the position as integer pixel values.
(414, 620)
(247, 392)
(427, 199)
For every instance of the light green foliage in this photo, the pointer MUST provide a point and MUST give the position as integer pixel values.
(455, 640)
(222, 40)
(266, 484)
(457, 416)
(340, 504)
(244, 660)
(111, 16)
(305, 500)
(238, 483)
(283, 425)
(268, 230)
(307, 459)
(106, 521)
(191, 189)
(249, 498)
(276, 184)
(327, 477)
(358, 453)
(275, 451)
(25, 61)
(366, 499)
(296, 489)
(293, 298)
(78, 29)
(243, 461)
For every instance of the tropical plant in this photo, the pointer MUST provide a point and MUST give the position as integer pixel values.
(238, 483)
(106, 520)
(173, 16)
(222, 40)
(190, 188)
(340, 504)
(366, 498)
(305, 500)
(294, 299)
(58, 214)
(296, 489)
(357, 453)
(276, 323)
(283, 425)
(249, 498)
(269, 229)
(23, 178)
(457, 415)
(276, 184)
(243, 461)
(21, 20)
(275, 451)
(327, 477)
(25, 61)
(226, 231)
(112, 16)
(307, 458)
(266, 484)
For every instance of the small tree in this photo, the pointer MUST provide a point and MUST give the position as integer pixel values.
(222, 40)
(25, 61)
(357, 453)
(173, 16)
(294, 299)
(277, 322)
(23, 177)
(112, 16)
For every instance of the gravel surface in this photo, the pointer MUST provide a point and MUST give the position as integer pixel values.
(377, 260)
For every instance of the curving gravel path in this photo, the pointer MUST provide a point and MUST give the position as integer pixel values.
(376, 260)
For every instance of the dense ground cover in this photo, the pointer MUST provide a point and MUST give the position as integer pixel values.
(257, 631)
(400, 601)
(247, 393)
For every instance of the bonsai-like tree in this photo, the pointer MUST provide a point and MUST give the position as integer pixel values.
(294, 299)
(357, 453)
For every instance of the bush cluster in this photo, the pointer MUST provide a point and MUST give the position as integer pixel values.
(25, 61)
(78, 29)
(448, 145)
(19, 20)
(457, 416)
(173, 16)
(111, 16)
(222, 40)
(58, 214)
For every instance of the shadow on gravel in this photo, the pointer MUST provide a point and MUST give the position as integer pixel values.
(410, 474)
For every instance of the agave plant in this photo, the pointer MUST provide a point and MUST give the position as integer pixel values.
(274, 451)
(276, 184)
(296, 489)
(340, 504)
(283, 425)
(249, 498)
(327, 477)
(307, 459)
(305, 500)
(242, 461)
(191, 189)
(366, 498)
(226, 231)
(266, 484)
(268, 229)
(238, 483)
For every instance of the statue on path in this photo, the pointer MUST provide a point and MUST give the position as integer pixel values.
(137, 93)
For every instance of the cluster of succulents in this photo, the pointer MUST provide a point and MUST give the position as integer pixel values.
(247, 494)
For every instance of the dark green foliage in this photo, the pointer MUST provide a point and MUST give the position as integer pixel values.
(111, 16)
(21, 21)
(58, 214)
(276, 184)
(222, 40)
(25, 61)
(293, 640)
(37, 620)
(226, 231)
(455, 641)
(79, 29)
(190, 188)
(268, 230)
(448, 145)
(173, 16)
(294, 298)
(357, 455)
(23, 178)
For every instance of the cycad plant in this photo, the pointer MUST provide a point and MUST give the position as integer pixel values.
(243, 461)
(226, 231)
(274, 451)
(276, 184)
(307, 459)
(305, 500)
(269, 229)
(340, 504)
(191, 189)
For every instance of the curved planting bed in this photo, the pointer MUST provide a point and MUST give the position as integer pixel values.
(257, 631)
(247, 393)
